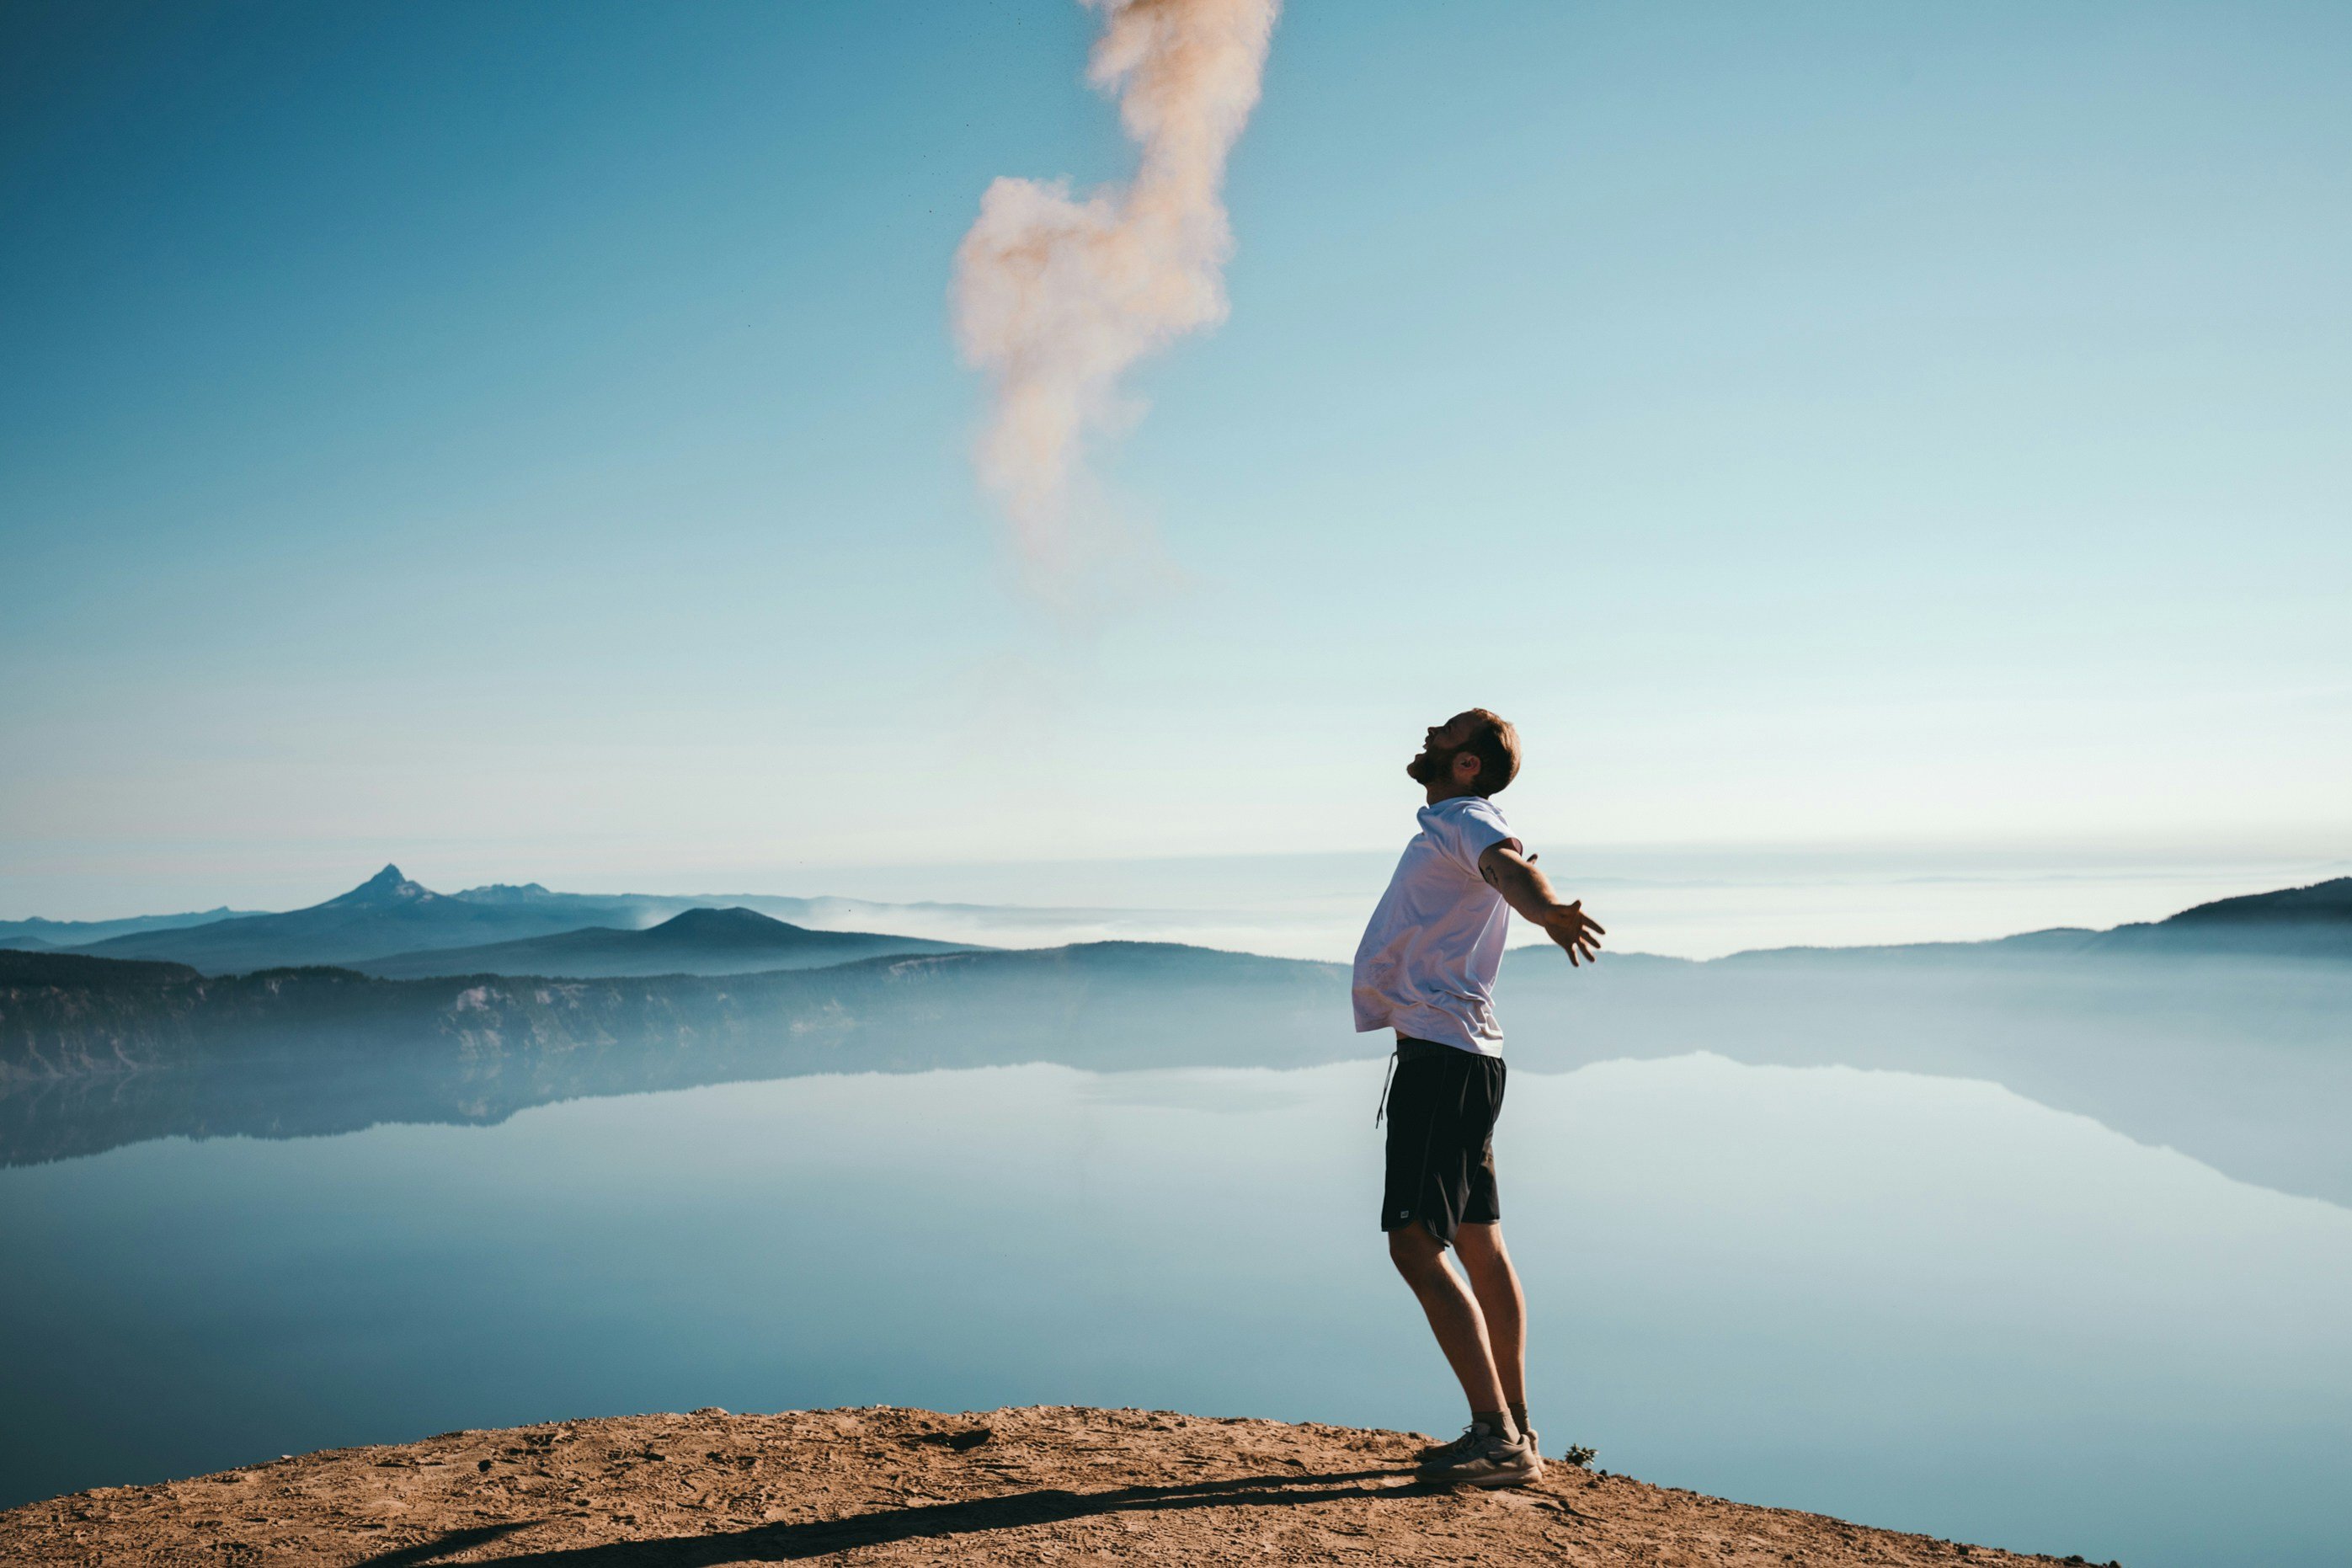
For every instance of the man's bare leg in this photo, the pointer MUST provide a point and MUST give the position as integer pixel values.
(1501, 1305)
(1453, 1316)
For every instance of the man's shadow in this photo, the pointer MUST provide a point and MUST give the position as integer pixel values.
(785, 1541)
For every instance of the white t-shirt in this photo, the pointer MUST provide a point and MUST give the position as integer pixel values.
(1426, 966)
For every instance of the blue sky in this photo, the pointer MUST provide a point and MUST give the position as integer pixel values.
(525, 441)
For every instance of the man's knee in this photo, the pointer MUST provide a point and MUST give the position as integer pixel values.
(1478, 1242)
(1414, 1251)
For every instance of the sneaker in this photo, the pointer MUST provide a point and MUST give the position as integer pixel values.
(1447, 1453)
(1439, 1455)
(1481, 1458)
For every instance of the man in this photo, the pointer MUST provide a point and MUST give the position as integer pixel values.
(1426, 969)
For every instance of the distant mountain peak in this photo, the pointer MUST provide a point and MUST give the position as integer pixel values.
(386, 886)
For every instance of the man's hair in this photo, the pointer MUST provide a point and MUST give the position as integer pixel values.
(1496, 746)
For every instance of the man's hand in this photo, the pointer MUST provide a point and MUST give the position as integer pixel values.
(1513, 873)
(1578, 933)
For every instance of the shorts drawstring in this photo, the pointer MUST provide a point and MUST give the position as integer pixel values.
(1387, 1078)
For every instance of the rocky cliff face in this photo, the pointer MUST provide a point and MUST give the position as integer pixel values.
(62, 1015)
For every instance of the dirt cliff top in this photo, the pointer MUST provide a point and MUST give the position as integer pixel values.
(885, 1486)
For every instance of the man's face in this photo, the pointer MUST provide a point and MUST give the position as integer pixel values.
(1440, 746)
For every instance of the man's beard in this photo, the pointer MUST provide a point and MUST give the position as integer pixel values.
(1431, 766)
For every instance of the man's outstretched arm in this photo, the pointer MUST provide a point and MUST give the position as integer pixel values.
(1528, 890)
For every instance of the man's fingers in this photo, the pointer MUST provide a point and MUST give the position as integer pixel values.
(1598, 927)
(1581, 938)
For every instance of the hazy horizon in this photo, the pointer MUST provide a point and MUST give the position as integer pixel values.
(1686, 902)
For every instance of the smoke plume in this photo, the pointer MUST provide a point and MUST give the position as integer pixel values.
(1055, 296)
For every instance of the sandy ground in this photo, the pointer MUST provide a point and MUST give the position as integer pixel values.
(884, 1485)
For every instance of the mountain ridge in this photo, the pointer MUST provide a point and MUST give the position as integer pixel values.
(704, 941)
(2313, 920)
(390, 922)
(392, 916)
(74, 933)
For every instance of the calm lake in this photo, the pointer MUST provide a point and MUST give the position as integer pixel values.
(1920, 1302)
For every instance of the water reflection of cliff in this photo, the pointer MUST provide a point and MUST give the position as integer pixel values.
(94, 1054)
(2242, 1062)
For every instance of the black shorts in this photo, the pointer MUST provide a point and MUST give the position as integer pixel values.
(1442, 1106)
